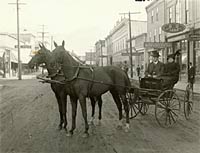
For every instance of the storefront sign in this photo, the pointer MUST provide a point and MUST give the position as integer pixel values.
(173, 27)
(133, 54)
(194, 37)
(157, 45)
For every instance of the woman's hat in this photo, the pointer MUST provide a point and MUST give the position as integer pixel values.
(155, 54)
(177, 53)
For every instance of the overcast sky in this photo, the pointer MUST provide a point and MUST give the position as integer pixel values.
(79, 22)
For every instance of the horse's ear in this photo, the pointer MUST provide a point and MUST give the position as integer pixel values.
(55, 44)
(40, 45)
(43, 46)
(63, 43)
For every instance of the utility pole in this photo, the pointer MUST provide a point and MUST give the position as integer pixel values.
(131, 51)
(18, 42)
(43, 33)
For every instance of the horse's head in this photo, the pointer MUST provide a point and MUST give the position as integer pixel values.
(39, 57)
(58, 55)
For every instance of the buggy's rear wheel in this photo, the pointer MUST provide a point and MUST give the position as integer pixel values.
(188, 101)
(167, 108)
(134, 105)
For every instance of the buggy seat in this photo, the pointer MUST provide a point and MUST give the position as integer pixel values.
(151, 83)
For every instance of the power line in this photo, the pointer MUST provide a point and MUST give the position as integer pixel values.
(18, 42)
(43, 32)
(131, 52)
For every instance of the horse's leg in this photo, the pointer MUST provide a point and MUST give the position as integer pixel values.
(74, 111)
(100, 106)
(119, 106)
(60, 110)
(64, 108)
(126, 108)
(93, 102)
(82, 100)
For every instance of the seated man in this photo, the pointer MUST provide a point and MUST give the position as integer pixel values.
(171, 72)
(155, 68)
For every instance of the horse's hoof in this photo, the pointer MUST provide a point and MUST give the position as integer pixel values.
(60, 127)
(119, 127)
(85, 135)
(126, 130)
(69, 134)
(91, 123)
(127, 127)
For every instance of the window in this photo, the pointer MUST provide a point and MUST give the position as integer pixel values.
(157, 14)
(178, 10)
(150, 36)
(152, 16)
(170, 14)
(159, 35)
(155, 33)
(186, 11)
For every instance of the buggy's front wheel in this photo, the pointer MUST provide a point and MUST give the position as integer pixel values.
(134, 105)
(167, 108)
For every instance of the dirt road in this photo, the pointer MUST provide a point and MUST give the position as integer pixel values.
(29, 121)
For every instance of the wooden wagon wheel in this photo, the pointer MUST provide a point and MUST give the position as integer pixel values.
(188, 101)
(167, 108)
(134, 105)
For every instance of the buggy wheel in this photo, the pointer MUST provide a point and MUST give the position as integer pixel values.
(144, 108)
(188, 102)
(167, 108)
(134, 106)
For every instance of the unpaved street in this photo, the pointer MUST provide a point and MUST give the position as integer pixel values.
(29, 124)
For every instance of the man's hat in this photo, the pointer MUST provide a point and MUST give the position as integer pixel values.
(155, 54)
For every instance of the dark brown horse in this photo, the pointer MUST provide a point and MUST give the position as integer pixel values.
(43, 56)
(94, 82)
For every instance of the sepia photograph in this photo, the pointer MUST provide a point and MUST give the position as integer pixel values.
(100, 76)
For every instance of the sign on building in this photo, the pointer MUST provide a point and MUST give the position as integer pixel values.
(157, 45)
(173, 27)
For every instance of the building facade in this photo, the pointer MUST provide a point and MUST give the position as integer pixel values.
(116, 42)
(101, 54)
(184, 12)
(8, 44)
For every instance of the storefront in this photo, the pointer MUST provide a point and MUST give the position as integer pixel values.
(189, 44)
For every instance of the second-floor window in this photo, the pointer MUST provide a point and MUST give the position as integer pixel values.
(154, 37)
(186, 11)
(178, 12)
(152, 16)
(159, 35)
(150, 36)
(170, 14)
(157, 14)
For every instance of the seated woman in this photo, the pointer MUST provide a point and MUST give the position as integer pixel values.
(171, 72)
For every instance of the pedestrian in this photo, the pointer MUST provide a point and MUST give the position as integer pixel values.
(191, 75)
(125, 67)
(138, 70)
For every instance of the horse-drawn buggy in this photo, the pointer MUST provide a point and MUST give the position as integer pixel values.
(166, 100)
(80, 81)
